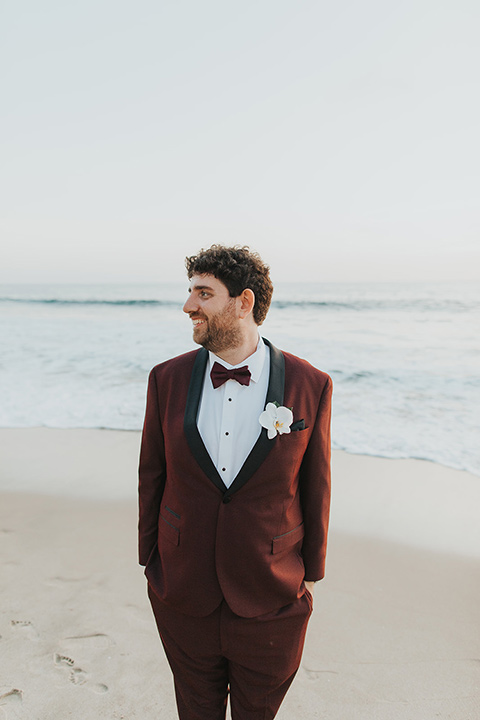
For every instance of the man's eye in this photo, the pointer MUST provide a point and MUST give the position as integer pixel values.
(203, 294)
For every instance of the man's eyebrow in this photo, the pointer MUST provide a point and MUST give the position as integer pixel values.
(200, 287)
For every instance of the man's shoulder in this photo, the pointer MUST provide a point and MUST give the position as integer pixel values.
(302, 369)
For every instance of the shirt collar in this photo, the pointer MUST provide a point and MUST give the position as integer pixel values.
(255, 362)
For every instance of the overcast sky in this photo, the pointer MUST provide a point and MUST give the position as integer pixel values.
(340, 139)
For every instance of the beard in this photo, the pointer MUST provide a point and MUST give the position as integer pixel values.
(222, 331)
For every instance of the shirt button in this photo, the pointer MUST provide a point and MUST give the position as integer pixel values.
(227, 498)
(223, 469)
(227, 433)
(229, 399)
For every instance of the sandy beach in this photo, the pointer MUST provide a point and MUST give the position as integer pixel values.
(396, 630)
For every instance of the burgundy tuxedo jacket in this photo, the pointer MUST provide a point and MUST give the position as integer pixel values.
(255, 542)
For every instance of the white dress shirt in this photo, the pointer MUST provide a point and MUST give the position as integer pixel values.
(228, 415)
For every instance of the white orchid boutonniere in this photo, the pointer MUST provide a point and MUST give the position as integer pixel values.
(276, 419)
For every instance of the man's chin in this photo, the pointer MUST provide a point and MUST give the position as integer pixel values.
(201, 338)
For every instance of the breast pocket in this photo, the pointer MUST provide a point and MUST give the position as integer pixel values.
(298, 426)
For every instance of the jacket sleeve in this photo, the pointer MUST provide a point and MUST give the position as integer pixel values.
(315, 489)
(151, 474)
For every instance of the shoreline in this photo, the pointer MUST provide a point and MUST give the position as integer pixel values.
(412, 502)
(7, 429)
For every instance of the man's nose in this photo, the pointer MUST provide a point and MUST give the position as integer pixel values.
(190, 305)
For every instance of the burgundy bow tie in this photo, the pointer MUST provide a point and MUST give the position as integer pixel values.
(220, 375)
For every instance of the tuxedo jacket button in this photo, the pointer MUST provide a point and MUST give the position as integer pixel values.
(227, 498)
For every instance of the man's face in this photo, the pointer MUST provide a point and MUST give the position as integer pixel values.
(213, 313)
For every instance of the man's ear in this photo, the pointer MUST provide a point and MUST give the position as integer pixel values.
(247, 302)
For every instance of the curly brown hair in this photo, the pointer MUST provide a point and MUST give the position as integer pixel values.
(237, 268)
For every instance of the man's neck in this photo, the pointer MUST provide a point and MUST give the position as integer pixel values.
(236, 355)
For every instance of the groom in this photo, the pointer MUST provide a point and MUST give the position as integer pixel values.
(234, 497)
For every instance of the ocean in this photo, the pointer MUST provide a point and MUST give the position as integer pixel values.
(404, 358)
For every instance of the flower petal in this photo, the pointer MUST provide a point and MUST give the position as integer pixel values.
(271, 409)
(271, 433)
(285, 415)
(266, 420)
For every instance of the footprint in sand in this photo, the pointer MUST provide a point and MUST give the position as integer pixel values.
(8, 701)
(26, 628)
(97, 641)
(99, 688)
(13, 696)
(77, 676)
(63, 660)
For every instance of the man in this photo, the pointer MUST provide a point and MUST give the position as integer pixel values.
(234, 497)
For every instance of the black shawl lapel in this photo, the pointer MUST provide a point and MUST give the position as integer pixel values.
(275, 393)
(259, 452)
(192, 434)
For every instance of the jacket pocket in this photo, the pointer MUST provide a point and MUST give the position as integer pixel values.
(172, 512)
(281, 542)
(169, 531)
(298, 425)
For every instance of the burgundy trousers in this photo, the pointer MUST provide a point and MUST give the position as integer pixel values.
(252, 659)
